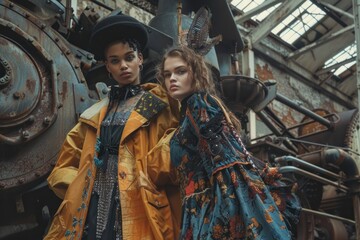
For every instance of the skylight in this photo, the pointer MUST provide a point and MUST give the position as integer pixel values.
(298, 22)
(292, 27)
(348, 53)
(247, 5)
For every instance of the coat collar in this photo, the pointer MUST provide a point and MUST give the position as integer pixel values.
(148, 106)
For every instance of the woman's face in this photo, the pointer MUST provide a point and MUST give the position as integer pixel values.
(178, 78)
(123, 63)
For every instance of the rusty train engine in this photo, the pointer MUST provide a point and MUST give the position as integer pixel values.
(48, 78)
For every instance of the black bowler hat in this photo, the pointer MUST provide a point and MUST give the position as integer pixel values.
(116, 27)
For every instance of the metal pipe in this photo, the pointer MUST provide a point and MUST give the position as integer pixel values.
(342, 159)
(308, 165)
(68, 14)
(335, 156)
(304, 111)
(261, 114)
(291, 169)
(346, 164)
(323, 214)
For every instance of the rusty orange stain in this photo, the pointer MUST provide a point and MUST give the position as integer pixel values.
(264, 72)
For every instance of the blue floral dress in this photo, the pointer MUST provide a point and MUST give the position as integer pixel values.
(224, 195)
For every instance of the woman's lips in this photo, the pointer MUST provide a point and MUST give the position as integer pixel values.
(173, 87)
(125, 74)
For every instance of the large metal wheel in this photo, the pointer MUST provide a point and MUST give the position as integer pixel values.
(42, 92)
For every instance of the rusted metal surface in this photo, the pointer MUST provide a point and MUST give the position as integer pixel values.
(38, 71)
(37, 105)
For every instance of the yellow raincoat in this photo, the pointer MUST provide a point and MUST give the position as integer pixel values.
(149, 206)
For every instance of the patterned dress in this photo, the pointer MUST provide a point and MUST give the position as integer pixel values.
(224, 195)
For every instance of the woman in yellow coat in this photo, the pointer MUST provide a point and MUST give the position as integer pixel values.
(113, 170)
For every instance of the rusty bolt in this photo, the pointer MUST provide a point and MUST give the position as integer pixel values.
(56, 39)
(89, 57)
(82, 80)
(47, 120)
(31, 119)
(30, 39)
(68, 52)
(60, 105)
(21, 180)
(26, 15)
(11, 5)
(43, 26)
(77, 66)
(25, 134)
(82, 99)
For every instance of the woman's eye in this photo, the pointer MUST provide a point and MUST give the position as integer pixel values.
(167, 75)
(130, 57)
(181, 71)
(114, 61)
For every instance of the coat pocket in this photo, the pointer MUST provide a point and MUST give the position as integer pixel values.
(157, 200)
(159, 212)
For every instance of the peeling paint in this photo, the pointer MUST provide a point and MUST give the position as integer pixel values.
(264, 72)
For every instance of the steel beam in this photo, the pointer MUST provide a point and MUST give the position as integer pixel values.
(336, 65)
(300, 73)
(320, 42)
(356, 9)
(248, 69)
(262, 7)
(286, 8)
(335, 9)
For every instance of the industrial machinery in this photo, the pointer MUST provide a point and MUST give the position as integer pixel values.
(48, 77)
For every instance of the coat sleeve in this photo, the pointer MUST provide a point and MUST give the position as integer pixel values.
(218, 146)
(160, 131)
(160, 170)
(68, 161)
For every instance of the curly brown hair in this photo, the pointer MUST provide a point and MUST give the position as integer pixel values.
(201, 74)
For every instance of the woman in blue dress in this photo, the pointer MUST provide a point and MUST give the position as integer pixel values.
(224, 196)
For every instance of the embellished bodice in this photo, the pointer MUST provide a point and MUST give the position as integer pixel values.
(203, 143)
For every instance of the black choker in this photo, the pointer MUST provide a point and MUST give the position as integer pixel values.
(125, 92)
